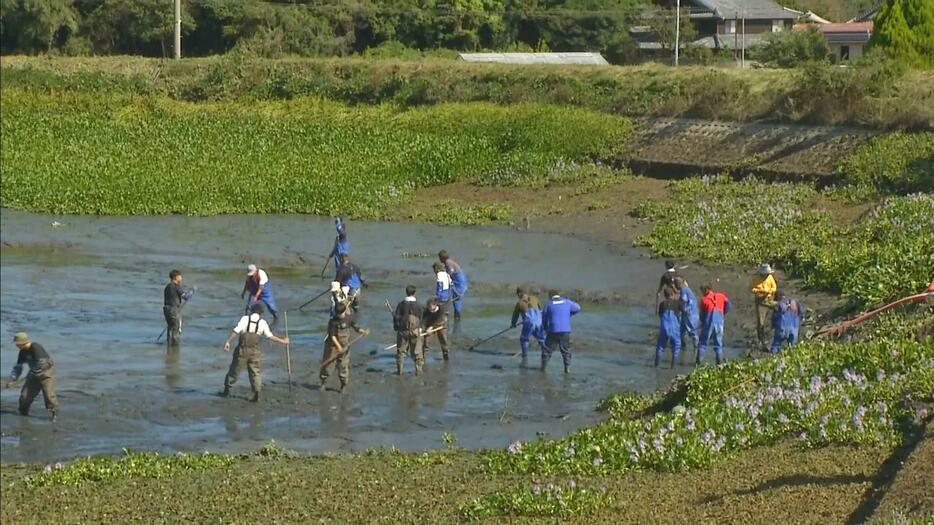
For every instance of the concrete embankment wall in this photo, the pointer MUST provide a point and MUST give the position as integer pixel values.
(681, 147)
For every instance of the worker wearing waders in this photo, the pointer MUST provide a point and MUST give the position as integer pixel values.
(338, 296)
(786, 321)
(529, 309)
(338, 341)
(458, 280)
(690, 314)
(667, 281)
(407, 322)
(341, 244)
(713, 307)
(763, 289)
(348, 274)
(435, 320)
(669, 329)
(173, 298)
(260, 289)
(40, 378)
(248, 352)
(556, 319)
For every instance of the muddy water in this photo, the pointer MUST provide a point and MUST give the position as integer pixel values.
(90, 290)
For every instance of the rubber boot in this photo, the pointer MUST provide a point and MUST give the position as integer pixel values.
(255, 398)
(544, 363)
(672, 361)
(54, 415)
(567, 369)
(226, 392)
(446, 355)
(457, 316)
(343, 386)
(657, 360)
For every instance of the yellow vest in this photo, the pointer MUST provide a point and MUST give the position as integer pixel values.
(764, 286)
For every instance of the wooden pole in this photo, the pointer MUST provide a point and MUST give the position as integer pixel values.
(288, 351)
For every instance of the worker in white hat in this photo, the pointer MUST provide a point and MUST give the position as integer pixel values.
(763, 289)
(260, 289)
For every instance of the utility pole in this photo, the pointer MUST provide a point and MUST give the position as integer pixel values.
(743, 52)
(677, 30)
(178, 29)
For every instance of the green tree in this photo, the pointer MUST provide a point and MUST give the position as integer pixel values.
(662, 26)
(135, 26)
(792, 48)
(35, 25)
(919, 14)
(892, 33)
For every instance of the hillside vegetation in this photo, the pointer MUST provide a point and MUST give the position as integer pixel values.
(876, 95)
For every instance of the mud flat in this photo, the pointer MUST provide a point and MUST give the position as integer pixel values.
(89, 289)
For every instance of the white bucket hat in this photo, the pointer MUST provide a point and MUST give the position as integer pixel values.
(765, 269)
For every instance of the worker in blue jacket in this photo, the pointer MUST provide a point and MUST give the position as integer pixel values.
(529, 309)
(341, 243)
(458, 279)
(690, 314)
(786, 321)
(669, 329)
(556, 319)
(348, 274)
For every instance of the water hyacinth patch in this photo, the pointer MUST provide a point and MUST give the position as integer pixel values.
(863, 396)
(77, 153)
(542, 500)
(129, 465)
(887, 255)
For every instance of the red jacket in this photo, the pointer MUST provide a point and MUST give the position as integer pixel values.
(715, 302)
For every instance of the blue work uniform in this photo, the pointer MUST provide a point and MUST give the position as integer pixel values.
(252, 285)
(528, 308)
(690, 314)
(669, 329)
(786, 321)
(349, 275)
(459, 281)
(713, 307)
(341, 243)
(556, 319)
(443, 287)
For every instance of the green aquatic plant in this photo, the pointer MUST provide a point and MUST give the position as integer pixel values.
(886, 255)
(130, 465)
(75, 153)
(818, 393)
(538, 500)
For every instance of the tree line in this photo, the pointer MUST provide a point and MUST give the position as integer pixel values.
(315, 28)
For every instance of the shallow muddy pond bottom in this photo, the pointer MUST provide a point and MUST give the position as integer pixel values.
(89, 289)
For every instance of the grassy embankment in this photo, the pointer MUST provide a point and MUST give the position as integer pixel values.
(874, 96)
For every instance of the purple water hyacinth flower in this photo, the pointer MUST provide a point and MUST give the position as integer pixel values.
(515, 447)
(48, 468)
(634, 457)
(679, 441)
(690, 425)
(816, 384)
(537, 490)
(880, 375)
(894, 353)
(740, 427)
(719, 444)
(572, 484)
(658, 445)
(882, 407)
(597, 461)
(58, 465)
